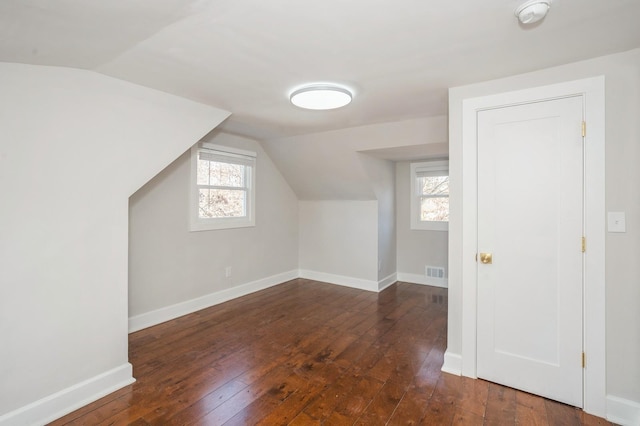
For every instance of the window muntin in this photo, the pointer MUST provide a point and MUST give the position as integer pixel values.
(223, 194)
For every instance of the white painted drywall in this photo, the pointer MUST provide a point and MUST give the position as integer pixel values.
(336, 166)
(382, 176)
(168, 264)
(622, 80)
(326, 166)
(416, 248)
(339, 238)
(73, 146)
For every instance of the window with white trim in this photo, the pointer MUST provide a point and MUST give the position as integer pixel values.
(430, 196)
(222, 187)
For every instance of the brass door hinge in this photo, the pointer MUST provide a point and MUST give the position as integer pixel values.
(584, 129)
(584, 244)
(584, 360)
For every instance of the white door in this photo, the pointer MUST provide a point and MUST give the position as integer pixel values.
(530, 219)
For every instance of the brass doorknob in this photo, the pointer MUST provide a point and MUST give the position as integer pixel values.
(486, 258)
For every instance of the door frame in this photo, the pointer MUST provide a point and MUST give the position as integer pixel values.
(593, 92)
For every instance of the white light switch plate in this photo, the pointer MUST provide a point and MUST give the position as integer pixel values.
(616, 222)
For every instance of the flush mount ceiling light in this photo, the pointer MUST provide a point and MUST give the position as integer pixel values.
(321, 96)
(533, 11)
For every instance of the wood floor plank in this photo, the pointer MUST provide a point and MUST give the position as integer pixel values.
(354, 351)
(354, 404)
(290, 408)
(203, 406)
(474, 396)
(561, 414)
(326, 401)
(310, 353)
(466, 418)
(278, 384)
(411, 407)
(590, 420)
(383, 404)
(448, 389)
(439, 413)
(530, 410)
(303, 419)
(501, 405)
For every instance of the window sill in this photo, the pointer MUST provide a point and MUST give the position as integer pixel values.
(430, 226)
(203, 225)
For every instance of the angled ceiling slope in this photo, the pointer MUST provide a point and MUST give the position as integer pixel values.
(246, 56)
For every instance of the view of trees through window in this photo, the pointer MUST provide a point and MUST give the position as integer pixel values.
(434, 198)
(222, 189)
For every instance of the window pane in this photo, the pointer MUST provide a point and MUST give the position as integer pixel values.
(434, 209)
(216, 173)
(225, 174)
(203, 172)
(433, 185)
(216, 203)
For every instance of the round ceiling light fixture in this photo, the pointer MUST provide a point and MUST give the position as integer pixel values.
(533, 11)
(321, 96)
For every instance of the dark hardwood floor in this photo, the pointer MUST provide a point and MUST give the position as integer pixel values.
(308, 353)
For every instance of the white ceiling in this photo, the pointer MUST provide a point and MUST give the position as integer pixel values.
(246, 56)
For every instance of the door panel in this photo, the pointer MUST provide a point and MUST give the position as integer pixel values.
(530, 217)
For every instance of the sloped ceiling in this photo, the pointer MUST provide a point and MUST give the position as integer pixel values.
(328, 165)
(246, 56)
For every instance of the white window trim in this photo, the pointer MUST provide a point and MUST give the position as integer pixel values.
(198, 224)
(416, 223)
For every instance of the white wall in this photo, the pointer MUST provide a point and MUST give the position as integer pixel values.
(170, 265)
(622, 80)
(73, 146)
(382, 176)
(327, 166)
(348, 165)
(339, 242)
(416, 248)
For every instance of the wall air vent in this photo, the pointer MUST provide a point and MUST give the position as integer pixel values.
(434, 272)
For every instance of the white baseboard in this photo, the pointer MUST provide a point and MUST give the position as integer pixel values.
(167, 313)
(622, 411)
(422, 279)
(452, 363)
(342, 280)
(386, 282)
(70, 399)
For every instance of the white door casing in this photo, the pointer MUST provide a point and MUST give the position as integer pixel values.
(594, 282)
(530, 217)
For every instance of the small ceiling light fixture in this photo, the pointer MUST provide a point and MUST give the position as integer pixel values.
(321, 96)
(533, 11)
